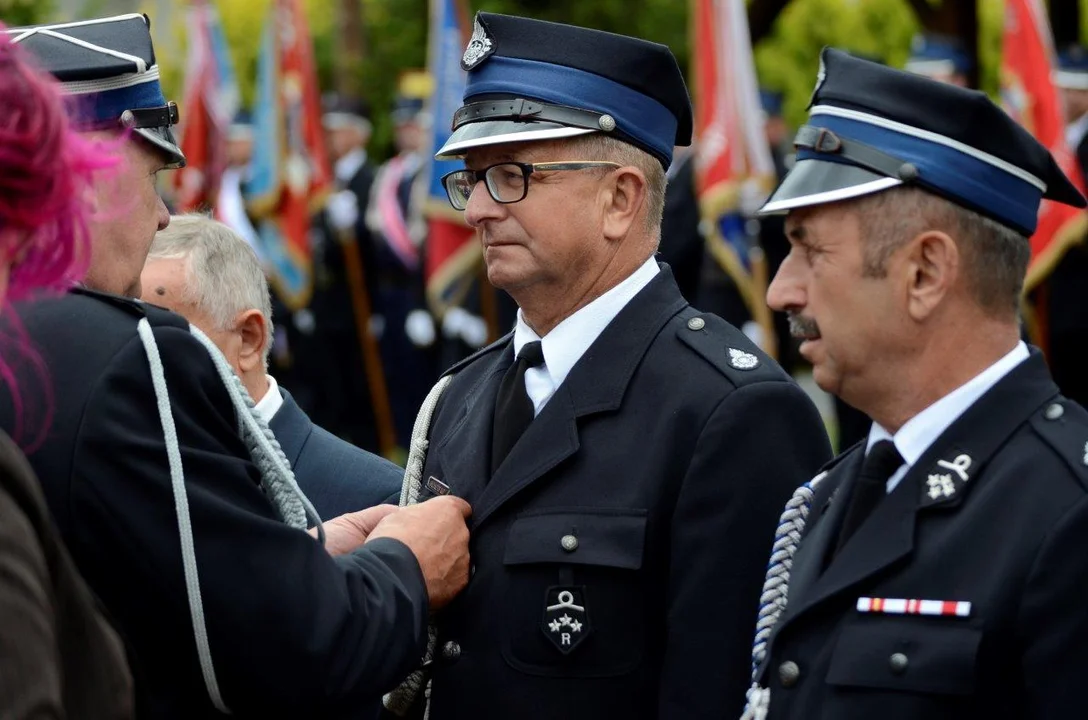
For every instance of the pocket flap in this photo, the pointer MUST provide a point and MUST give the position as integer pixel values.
(613, 538)
(919, 654)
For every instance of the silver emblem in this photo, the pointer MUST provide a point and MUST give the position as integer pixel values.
(696, 323)
(479, 47)
(1086, 453)
(742, 360)
(941, 485)
(607, 123)
(960, 466)
(821, 75)
(1054, 411)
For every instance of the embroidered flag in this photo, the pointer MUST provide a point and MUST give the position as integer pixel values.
(1029, 96)
(452, 255)
(290, 176)
(209, 103)
(731, 151)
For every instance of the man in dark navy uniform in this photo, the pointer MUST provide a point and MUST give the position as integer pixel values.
(626, 454)
(193, 538)
(941, 572)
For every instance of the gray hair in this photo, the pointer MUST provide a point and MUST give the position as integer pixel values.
(598, 146)
(224, 276)
(995, 256)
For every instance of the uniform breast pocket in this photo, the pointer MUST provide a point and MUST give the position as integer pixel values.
(573, 602)
(907, 666)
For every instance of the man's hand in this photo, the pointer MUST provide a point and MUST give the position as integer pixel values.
(436, 533)
(347, 532)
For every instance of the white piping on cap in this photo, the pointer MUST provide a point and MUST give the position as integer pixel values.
(931, 137)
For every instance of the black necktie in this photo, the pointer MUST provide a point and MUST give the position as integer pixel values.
(871, 486)
(513, 408)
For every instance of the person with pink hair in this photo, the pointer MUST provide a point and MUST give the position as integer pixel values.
(58, 655)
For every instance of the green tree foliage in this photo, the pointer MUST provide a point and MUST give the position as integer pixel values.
(25, 12)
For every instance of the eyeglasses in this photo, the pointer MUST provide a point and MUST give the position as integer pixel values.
(506, 182)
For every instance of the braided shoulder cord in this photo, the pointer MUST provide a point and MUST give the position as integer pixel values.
(277, 478)
(772, 601)
(403, 697)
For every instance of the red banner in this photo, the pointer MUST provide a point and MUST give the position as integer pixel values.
(1030, 97)
(209, 103)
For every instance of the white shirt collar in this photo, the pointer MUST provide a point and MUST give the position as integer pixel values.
(1075, 132)
(570, 339)
(269, 405)
(348, 165)
(922, 430)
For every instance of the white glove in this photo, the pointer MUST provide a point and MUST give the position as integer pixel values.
(459, 323)
(343, 210)
(419, 327)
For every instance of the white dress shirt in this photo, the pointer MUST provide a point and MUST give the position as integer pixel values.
(922, 430)
(570, 339)
(272, 401)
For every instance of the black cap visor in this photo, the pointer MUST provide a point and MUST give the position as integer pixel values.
(815, 182)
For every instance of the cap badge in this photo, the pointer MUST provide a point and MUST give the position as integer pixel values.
(479, 47)
(821, 75)
(742, 360)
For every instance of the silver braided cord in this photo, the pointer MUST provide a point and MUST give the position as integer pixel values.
(181, 505)
(772, 601)
(403, 697)
(277, 478)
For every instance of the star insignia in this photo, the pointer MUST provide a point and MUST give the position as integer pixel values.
(941, 485)
(554, 626)
(565, 620)
(576, 626)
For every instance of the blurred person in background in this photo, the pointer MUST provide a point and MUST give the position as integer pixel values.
(205, 272)
(58, 656)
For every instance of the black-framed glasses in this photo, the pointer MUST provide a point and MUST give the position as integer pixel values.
(506, 182)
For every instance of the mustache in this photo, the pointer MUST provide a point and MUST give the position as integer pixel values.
(803, 327)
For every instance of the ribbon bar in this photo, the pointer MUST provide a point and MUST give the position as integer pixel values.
(901, 606)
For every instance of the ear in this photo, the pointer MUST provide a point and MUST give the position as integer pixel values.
(253, 330)
(623, 200)
(933, 268)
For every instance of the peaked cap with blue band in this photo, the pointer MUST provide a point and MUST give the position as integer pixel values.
(536, 80)
(933, 55)
(107, 68)
(872, 127)
(1072, 72)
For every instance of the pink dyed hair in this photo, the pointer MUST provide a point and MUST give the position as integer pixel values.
(46, 172)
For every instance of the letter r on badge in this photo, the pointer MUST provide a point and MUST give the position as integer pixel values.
(566, 638)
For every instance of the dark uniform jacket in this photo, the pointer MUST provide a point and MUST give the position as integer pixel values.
(648, 488)
(59, 658)
(1010, 540)
(292, 632)
(336, 476)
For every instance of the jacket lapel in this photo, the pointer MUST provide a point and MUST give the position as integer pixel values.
(292, 427)
(465, 452)
(887, 536)
(596, 384)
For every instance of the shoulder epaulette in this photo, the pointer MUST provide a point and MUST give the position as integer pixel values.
(726, 348)
(129, 305)
(1063, 424)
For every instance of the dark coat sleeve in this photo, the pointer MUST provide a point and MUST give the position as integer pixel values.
(30, 685)
(292, 631)
(759, 444)
(1054, 615)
